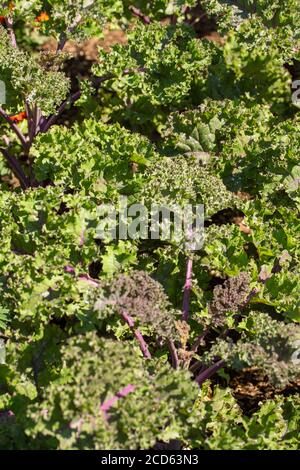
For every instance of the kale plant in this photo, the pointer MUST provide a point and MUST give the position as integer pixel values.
(136, 343)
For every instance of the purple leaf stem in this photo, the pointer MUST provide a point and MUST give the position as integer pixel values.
(109, 403)
(82, 238)
(16, 168)
(137, 12)
(47, 123)
(7, 414)
(88, 279)
(82, 277)
(174, 355)
(15, 128)
(207, 373)
(143, 345)
(69, 269)
(126, 317)
(199, 340)
(9, 24)
(64, 36)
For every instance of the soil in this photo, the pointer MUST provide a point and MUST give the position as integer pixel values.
(88, 50)
(251, 387)
(11, 181)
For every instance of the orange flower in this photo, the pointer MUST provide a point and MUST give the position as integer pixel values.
(11, 7)
(18, 117)
(42, 17)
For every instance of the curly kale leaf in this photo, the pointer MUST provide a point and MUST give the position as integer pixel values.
(141, 297)
(25, 77)
(229, 298)
(271, 345)
(69, 414)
